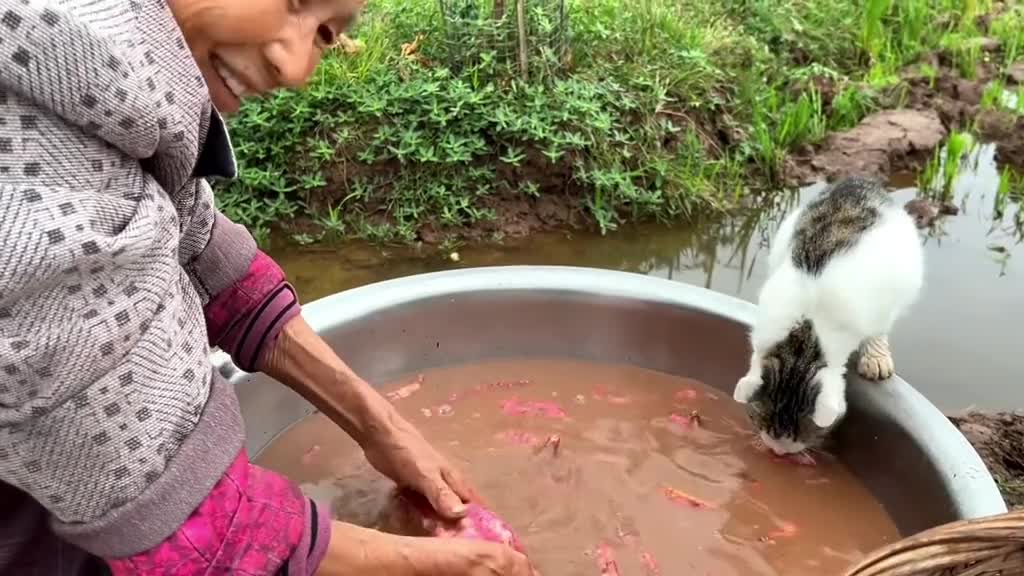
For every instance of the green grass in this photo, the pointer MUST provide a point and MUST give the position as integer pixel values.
(667, 109)
(941, 172)
(1011, 189)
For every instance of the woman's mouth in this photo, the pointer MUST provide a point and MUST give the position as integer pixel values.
(234, 83)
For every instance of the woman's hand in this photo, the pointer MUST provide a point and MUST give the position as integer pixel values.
(304, 362)
(354, 550)
(399, 452)
(479, 558)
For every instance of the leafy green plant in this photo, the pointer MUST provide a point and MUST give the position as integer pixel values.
(628, 124)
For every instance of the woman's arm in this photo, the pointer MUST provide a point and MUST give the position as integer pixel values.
(304, 362)
(301, 360)
(356, 551)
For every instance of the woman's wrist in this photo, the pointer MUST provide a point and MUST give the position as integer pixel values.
(301, 360)
(354, 550)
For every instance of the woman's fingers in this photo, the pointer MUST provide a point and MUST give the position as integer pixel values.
(458, 484)
(443, 498)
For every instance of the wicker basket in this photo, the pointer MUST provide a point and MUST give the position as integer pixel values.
(992, 546)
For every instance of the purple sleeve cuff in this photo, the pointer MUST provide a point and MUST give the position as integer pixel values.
(245, 319)
(247, 341)
(312, 546)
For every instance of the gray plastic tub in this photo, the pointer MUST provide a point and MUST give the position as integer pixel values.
(909, 455)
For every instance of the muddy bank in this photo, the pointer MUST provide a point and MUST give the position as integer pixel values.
(931, 101)
(518, 216)
(1007, 129)
(882, 144)
(999, 439)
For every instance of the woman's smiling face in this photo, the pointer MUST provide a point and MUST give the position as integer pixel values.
(250, 47)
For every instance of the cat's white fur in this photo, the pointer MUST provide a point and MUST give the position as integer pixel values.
(853, 304)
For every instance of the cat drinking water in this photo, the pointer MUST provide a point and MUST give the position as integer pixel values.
(842, 270)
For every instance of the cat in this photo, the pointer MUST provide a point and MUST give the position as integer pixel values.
(842, 270)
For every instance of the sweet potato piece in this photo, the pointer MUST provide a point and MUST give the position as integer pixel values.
(409, 513)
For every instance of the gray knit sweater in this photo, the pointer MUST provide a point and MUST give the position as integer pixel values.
(110, 415)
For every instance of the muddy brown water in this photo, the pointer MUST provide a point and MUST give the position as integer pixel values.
(656, 471)
(960, 345)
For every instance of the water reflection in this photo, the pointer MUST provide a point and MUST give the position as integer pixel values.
(959, 346)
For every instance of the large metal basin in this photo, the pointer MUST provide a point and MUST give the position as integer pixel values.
(916, 463)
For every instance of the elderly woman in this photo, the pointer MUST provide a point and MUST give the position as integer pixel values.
(120, 448)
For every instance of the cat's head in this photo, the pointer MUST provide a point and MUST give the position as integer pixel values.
(794, 401)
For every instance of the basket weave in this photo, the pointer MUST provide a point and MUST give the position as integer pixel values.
(991, 546)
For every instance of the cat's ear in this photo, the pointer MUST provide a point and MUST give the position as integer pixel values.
(745, 388)
(830, 405)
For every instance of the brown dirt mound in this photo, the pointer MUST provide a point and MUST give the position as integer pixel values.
(926, 211)
(882, 144)
(958, 103)
(999, 439)
(1007, 129)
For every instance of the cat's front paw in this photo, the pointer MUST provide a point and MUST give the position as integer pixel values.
(875, 362)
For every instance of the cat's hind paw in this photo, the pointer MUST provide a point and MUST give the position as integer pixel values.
(875, 359)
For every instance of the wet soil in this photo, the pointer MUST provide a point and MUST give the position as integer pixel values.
(999, 439)
(926, 211)
(1006, 129)
(882, 144)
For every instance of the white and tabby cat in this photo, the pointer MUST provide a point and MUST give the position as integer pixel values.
(843, 269)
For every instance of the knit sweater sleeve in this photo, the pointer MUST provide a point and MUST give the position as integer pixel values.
(247, 299)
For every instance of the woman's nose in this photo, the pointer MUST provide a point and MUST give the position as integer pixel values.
(296, 54)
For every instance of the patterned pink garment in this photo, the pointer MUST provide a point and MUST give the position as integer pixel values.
(253, 523)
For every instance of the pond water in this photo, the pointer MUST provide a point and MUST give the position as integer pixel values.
(959, 346)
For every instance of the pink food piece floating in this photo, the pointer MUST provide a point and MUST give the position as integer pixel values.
(407, 390)
(684, 499)
(687, 394)
(650, 565)
(686, 422)
(606, 561)
(785, 530)
(307, 457)
(533, 408)
(601, 393)
(418, 517)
